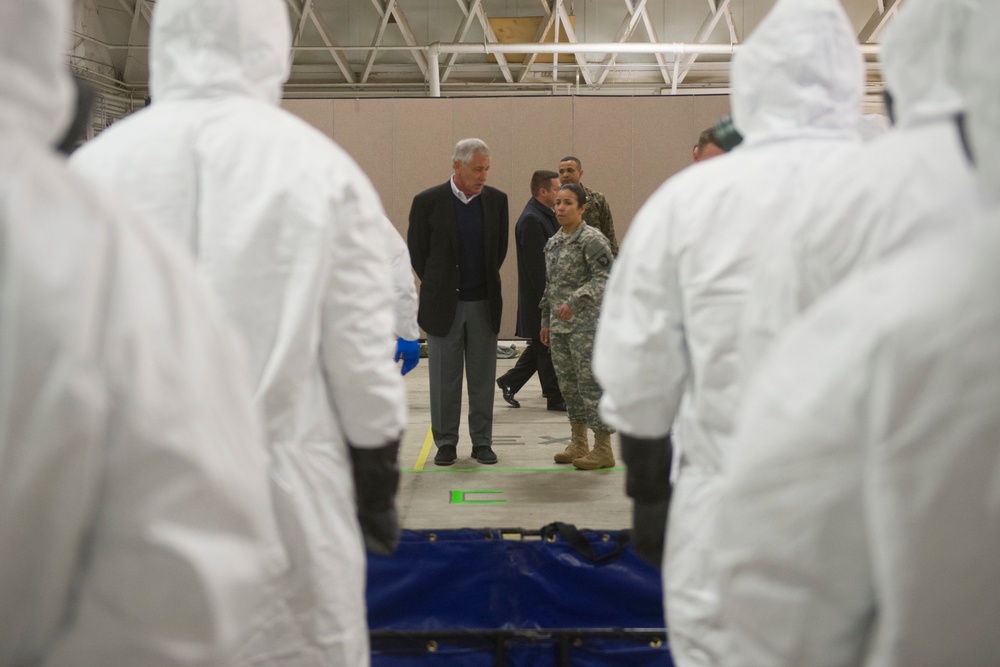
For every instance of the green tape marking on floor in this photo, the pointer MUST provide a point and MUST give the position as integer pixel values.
(458, 497)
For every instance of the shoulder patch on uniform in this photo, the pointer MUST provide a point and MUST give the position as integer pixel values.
(603, 260)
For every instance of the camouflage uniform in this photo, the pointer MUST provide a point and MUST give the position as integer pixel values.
(576, 270)
(598, 216)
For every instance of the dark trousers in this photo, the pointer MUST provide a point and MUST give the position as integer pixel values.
(535, 357)
(470, 348)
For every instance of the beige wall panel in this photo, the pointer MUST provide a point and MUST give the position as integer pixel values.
(318, 113)
(665, 131)
(364, 129)
(543, 133)
(421, 152)
(492, 120)
(602, 139)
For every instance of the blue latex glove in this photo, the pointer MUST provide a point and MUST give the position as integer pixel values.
(409, 352)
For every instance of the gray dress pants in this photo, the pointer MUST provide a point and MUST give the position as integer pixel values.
(471, 345)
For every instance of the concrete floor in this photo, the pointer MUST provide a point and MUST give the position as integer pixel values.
(526, 489)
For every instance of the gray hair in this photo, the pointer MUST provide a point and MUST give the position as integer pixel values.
(466, 148)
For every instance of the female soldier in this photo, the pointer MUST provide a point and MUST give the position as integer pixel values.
(577, 262)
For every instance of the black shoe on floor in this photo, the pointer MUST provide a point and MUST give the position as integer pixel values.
(484, 455)
(557, 406)
(508, 394)
(445, 456)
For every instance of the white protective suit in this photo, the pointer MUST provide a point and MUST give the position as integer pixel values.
(286, 228)
(889, 193)
(872, 126)
(860, 523)
(667, 350)
(404, 289)
(136, 525)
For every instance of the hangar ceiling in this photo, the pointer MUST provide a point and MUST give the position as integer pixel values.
(419, 48)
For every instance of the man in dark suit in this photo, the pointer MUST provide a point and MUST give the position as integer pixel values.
(458, 240)
(534, 228)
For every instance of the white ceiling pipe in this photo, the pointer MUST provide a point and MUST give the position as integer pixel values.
(610, 47)
(434, 50)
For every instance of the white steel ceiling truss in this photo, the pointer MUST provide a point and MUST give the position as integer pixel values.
(304, 11)
(325, 26)
(875, 25)
(390, 10)
(474, 10)
(716, 12)
(636, 11)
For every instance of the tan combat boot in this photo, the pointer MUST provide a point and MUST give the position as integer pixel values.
(578, 445)
(600, 457)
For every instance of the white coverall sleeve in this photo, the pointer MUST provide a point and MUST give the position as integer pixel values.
(357, 345)
(791, 541)
(404, 289)
(640, 355)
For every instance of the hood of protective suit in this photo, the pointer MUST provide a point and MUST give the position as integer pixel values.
(981, 88)
(921, 57)
(215, 48)
(36, 93)
(800, 73)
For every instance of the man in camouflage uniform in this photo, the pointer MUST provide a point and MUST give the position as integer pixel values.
(598, 213)
(577, 263)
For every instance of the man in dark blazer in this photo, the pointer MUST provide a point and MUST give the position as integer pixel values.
(458, 241)
(534, 228)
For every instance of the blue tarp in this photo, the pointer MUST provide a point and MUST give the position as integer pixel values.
(457, 597)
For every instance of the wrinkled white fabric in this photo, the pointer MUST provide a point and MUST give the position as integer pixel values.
(37, 92)
(868, 204)
(135, 518)
(872, 126)
(403, 287)
(667, 347)
(980, 82)
(287, 230)
(860, 517)
(860, 520)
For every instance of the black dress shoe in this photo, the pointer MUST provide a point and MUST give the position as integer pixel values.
(445, 456)
(484, 455)
(508, 394)
(557, 406)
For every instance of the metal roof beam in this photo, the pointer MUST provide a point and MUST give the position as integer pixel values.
(543, 29)
(636, 12)
(571, 36)
(387, 11)
(878, 20)
(132, 72)
(303, 17)
(463, 30)
(712, 20)
(307, 10)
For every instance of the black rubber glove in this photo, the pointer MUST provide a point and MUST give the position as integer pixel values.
(647, 482)
(376, 480)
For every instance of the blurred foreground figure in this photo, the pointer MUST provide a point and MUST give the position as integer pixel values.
(668, 341)
(860, 523)
(136, 525)
(889, 193)
(404, 290)
(288, 230)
